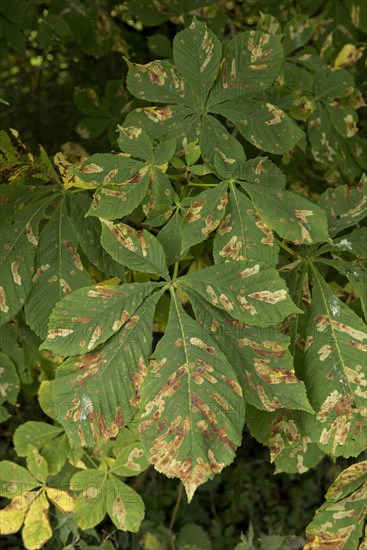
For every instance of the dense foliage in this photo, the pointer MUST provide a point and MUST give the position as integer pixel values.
(183, 282)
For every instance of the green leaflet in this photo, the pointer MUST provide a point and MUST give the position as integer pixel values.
(18, 242)
(343, 118)
(24, 356)
(104, 169)
(170, 236)
(90, 506)
(345, 205)
(158, 81)
(58, 269)
(138, 250)
(203, 216)
(229, 157)
(339, 521)
(130, 461)
(252, 292)
(355, 242)
(136, 142)
(193, 411)
(15, 480)
(157, 203)
(197, 53)
(127, 182)
(263, 172)
(333, 84)
(293, 217)
(263, 124)
(334, 373)
(243, 234)
(251, 62)
(115, 200)
(91, 315)
(124, 506)
(291, 448)
(260, 357)
(37, 465)
(297, 32)
(170, 120)
(34, 433)
(101, 494)
(96, 393)
(325, 142)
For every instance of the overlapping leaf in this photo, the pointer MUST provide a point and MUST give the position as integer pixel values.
(192, 404)
(203, 215)
(259, 356)
(58, 269)
(249, 291)
(18, 242)
(96, 393)
(138, 250)
(345, 205)
(334, 373)
(291, 448)
(91, 315)
(9, 384)
(88, 231)
(338, 523)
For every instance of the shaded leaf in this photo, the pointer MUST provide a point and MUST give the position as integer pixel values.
(59, 269)
(18, 242)
(88, 231)
(291, 448)
(345, 205)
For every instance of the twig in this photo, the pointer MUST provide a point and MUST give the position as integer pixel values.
(173, 518)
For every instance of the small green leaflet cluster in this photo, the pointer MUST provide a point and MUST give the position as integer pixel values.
(93, 491)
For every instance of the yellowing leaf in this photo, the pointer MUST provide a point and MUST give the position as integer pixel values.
(12, 516)
(348, 56)
(37, 529)
(61, 499)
